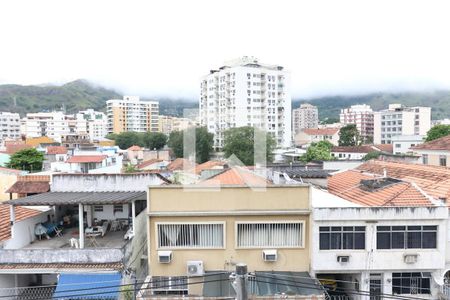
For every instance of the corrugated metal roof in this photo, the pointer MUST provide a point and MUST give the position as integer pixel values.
(68, 198)
(88, 286)
(309, 173)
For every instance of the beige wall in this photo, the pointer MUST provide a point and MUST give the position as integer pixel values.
(229, 205)
(6, 181)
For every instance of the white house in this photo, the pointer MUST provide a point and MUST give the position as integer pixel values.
(380, 250)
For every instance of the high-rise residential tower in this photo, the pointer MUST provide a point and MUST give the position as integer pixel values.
(306, 116)
(400, 120)
(362, 116)
(245, 92)
(132, 114)
(10, 126)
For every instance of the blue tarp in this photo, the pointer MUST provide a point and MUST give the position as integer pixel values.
(88, 286)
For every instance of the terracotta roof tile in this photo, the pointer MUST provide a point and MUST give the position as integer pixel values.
(389, 148)
(148, 162)
(442, 143)
(56, 150)
(177, 164)
(13, 148)
(211, 164)
(22, 213)
(86, 159)
(236, 176)
(134, 148)
(29, 187)
(321, 131)
(348, 185)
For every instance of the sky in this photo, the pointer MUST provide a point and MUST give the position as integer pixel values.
(163, 48)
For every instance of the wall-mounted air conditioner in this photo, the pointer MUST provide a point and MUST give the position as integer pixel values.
(269, 255)
(164, 257)
(343, 259)
(410, 258)
(195, 268)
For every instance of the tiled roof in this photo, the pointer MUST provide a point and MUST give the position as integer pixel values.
(211, 164)
(61, 266)
(442, 143)
(434, 180)
(353, 149)
(148, 163)
(321, 131)
(86, 159)
(56, 150)
(10, 171)
(13, 148)
(29, 187)
(134, 148)
(22, 213)
(236, 176)
(389, 148)
(177, 164)
(348, 185)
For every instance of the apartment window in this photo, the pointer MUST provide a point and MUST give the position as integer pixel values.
(192, 235)
(425, 159)
(270, 234)
(118, 208)
(98, 208)
(443, 160)
(346, 237)
(411, 283)
(406, 237)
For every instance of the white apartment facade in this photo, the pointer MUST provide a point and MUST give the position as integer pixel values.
(402, 143)
(96, 124)
(400, 120)
(381, 250)
(132, 114)
(362, 116)
(306, 116)
(9, 126)
(245, 92)
(54, 125)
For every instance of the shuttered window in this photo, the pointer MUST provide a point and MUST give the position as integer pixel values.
(270, 235)
(192, 235)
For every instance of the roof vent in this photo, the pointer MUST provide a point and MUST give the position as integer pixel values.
(372, 185)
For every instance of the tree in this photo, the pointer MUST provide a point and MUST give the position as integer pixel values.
(318, 151)
(372, 155)
(203, 143)
(127, 139)
(240, 142)
(349, 135)
(437, 131)
(154, 140)
(27, 159)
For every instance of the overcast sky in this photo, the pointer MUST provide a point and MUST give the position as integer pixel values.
(154, 48)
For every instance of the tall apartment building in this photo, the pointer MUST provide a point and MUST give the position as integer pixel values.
(54, 125)
(167, 124)
(400, 120)
(245, 92)
(132, 114)
(97, 124)
(9, 126)
(362, 116)
(306, 116)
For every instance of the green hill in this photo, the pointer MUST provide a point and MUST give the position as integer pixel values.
(329, 107)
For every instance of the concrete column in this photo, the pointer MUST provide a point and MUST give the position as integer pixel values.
(89, 216)
(133, 216)
(81, 224)
(12, 215)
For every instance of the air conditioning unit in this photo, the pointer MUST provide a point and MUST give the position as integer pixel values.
(410, 258)
(195, 268)
(269, 255)
(164, 257)
(343, 258)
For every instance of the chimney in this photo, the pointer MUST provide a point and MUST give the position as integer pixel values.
(384, 173)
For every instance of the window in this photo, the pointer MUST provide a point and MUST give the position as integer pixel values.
(338, 237)
(406, 237)
(98, 208)
(270, 234)
(118, 208)
(443, 160)
(175, 285)
(411, 283)
(192, 235)
(425, 159)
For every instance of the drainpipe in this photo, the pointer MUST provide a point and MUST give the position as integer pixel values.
(81, 225)
(12, 218)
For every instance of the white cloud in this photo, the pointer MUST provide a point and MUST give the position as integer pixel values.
(163, 47)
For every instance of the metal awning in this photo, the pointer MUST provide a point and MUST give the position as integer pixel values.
(88, 286)
(72, 198)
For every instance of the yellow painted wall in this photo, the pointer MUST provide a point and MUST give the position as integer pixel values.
(6, 181)
(229, 199)
(118, 115)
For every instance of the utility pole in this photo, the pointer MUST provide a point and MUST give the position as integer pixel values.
(240, 281)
